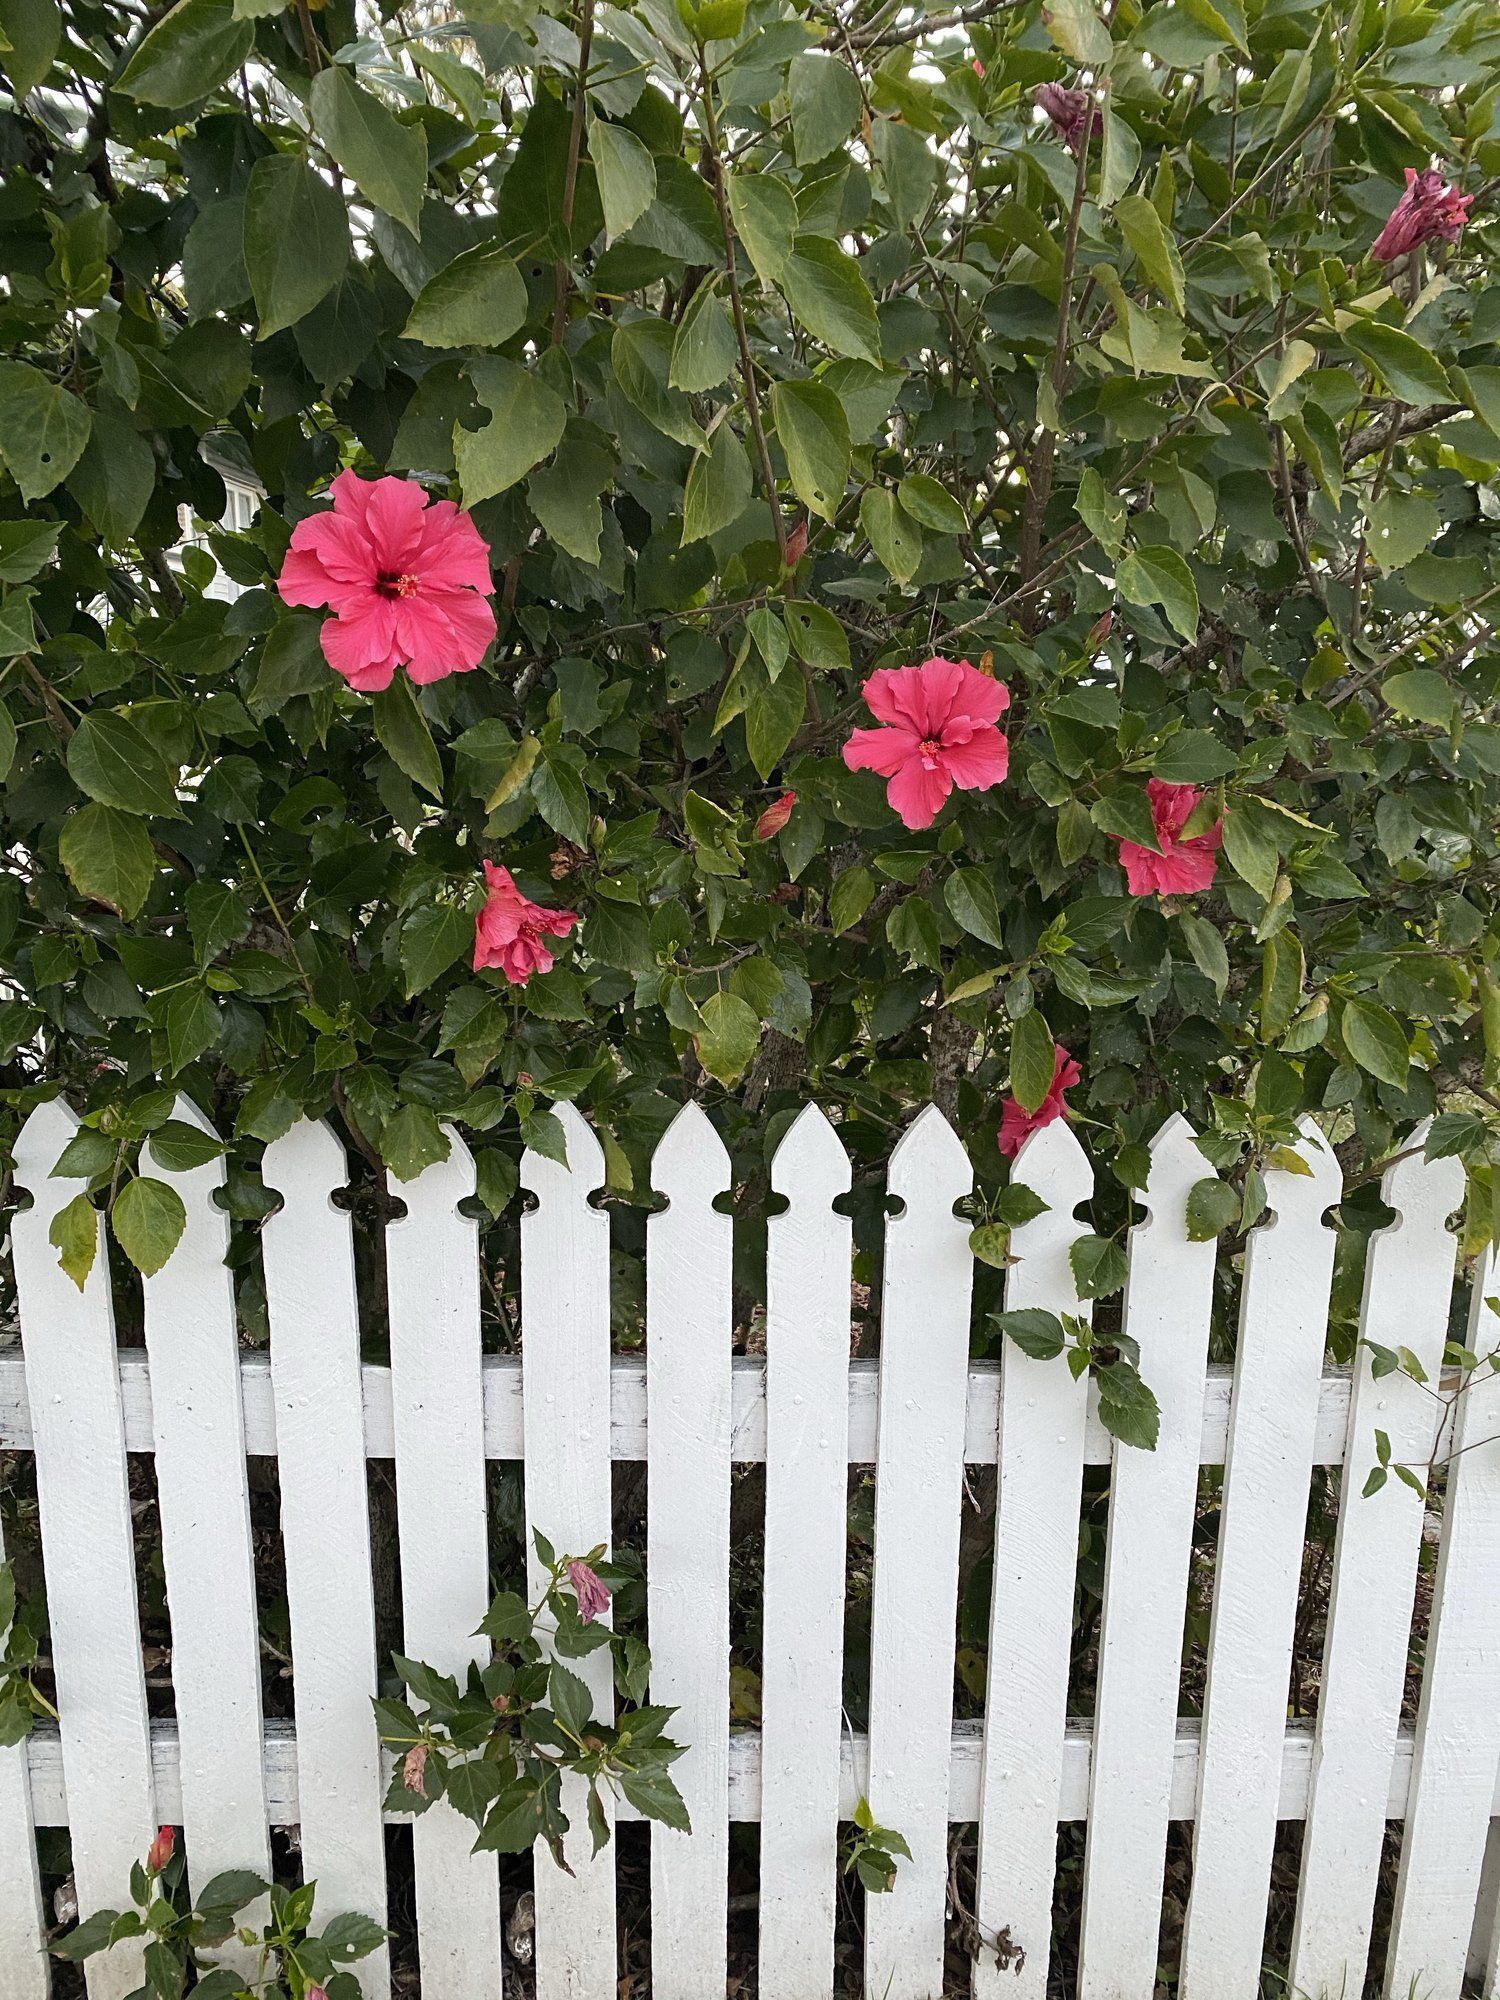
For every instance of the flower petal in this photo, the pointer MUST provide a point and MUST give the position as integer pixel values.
(917, 792)
(882, 750)
(980, 762)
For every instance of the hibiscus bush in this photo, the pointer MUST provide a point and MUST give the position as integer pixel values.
(844, 550)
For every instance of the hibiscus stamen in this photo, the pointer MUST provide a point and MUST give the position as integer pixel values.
(928, 750)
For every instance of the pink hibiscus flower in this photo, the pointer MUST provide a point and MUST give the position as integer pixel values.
(512, 932)
(941, 732)
(590, 1590)
(1429, 208)
(1184, 866)
(1017, 1123)
(407, 580)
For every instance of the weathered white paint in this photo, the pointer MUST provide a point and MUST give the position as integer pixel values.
(689, 1321)
(1267, 1471)
(1458, 1721)
(88, 1545)
(924, 1360)
(565, 1335)
(802, 1650)
(208, 1558)
(325, 1528)
(1152, 1501)
(1408, 1290)
(432, 1281)
(1040, 1479)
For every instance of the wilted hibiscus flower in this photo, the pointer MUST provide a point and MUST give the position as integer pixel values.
(511, 931)
(1073, 113)
(940, 733)
(590, 1590)
(407, 579)
(1017, 1123)
(1428, 210)
(1184, 866)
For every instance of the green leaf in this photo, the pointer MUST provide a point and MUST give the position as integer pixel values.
(114, 762)
(1155, 251)
(231, 1890)
(148, 1219)
(654, 1794)
(1035, 1331)
(405, 737)
(931, 505)
(1407, 368)
(527, 420)
(1212, 1207)
(826, 104)
(31, 35)
(626, 174)
(764, 214)
(1033, 1060)
(412, 1139)
(1098, 1266)
(17, 622)
(115, 478)
(704, 349)
(1206, 943)
(296, 239)
(642, 361)
(970, 896)
(1075, 27)
(1193, 757)
(990, 1243)
(1128, 1408)
(109, 857)
(74, 1235)
(896, 542)
(1401, 526)
(386, 159)
(827, 293)
(189, 52)
(564, 496)
(9, 739)
(43, 428)
(1250, 846)
(1161, 576)
(479, 300)
(189, 1022)
(1422, 694)
(814, 434)
(26, 547)
(430, 942)
(718, 487)
(562, 799)
(349, 1936)
(1376, 1040)
(727, 1036)
(178, 1147)
(772, 719)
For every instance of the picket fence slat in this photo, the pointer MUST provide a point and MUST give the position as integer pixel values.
(1040, 1481)
(1152, 1501)
(808, 1250)
(565, 1317)
(820, 1422)
(919, 1469)
(432, 1280)
(88, 1545)
(1457, 1751)
(689, 1323)
(203, 1491)
(24, 1966)
(1408, 1288)
(308, 1251)
(1263, 1517)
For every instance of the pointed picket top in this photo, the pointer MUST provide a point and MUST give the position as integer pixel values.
(306, 1161)
(584, 1172)
(441, 1186)
(1053, 1163)
(930, 1167)
(1295, 1197)
(690, 1157)
(39, 1144)
(1423, 1192)
(1176, 1168)
(811, 1159)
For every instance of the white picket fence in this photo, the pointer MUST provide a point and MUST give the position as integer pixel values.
(691, 1410)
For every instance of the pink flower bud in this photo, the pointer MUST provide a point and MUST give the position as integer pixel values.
(775, 817)
(796, 544)
(161, 1850)
(593, 1597)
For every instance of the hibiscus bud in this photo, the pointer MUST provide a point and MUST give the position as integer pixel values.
(160, 1852)
(796, 544)
(501, 1704)
(978, 67)
(593, 1597)
(316, 1993)
(414, 1770)
(774, 818)
(1099, 632)
(1428, 210)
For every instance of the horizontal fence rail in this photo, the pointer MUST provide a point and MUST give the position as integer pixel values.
(922, 1416)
